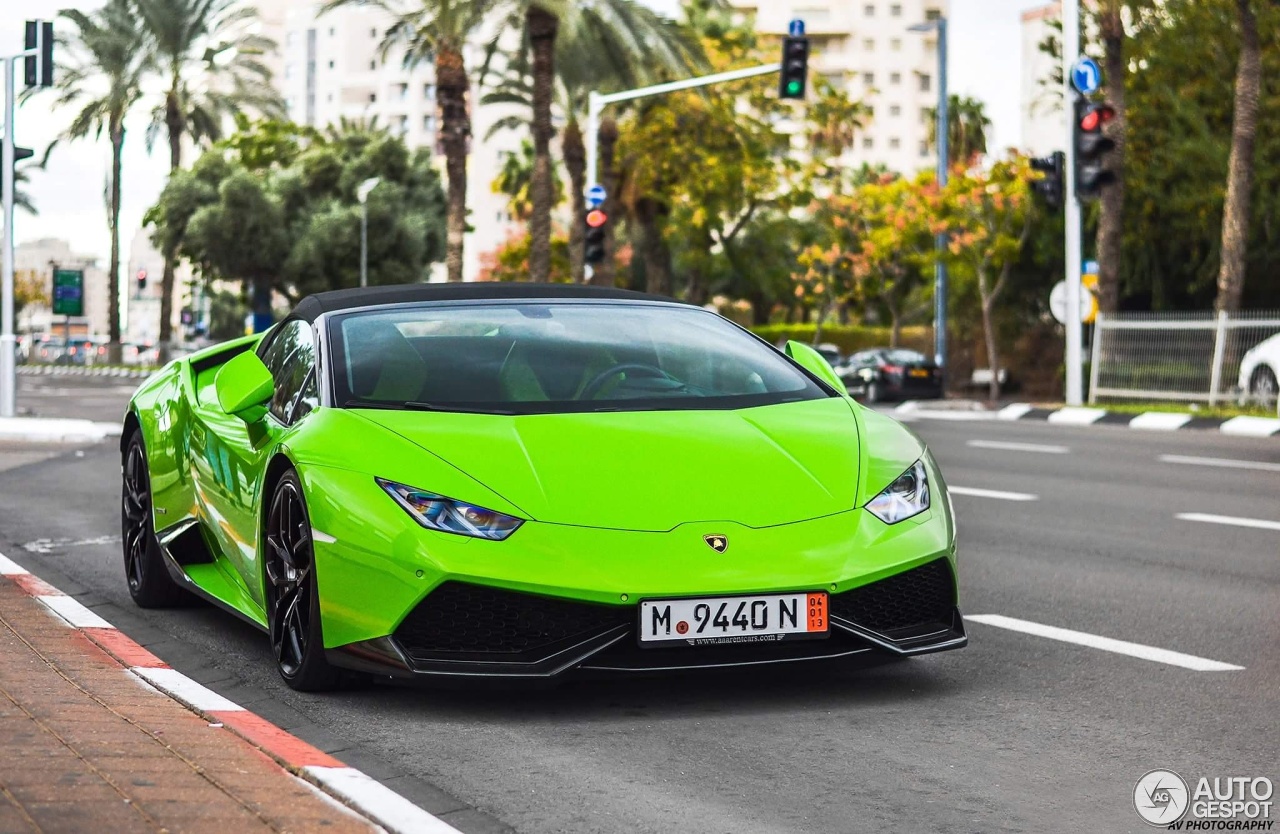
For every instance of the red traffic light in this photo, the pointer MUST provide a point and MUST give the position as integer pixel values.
(1097, 116)
(596, 218)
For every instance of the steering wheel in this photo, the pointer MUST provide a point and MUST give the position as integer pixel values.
(592, 388)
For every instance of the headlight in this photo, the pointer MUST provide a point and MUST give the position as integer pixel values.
(905, 497)
(435, 512)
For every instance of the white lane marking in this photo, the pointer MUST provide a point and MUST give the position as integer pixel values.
(1019, 447)
(50, 545)
(1077, 416)
(1106, 644)
(1250, 426)
(1234, 521)
(1227, 463)
(992, 493)
(1159, 421)
(73, 612)
(8, 568)
(377, 801)
(186, 690)
(1013, 411)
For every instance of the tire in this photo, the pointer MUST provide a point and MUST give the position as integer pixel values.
(145, 572)
(293, 604)
(1263, 388)
(873, 394)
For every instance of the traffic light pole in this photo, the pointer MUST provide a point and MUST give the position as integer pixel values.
(1071, 207)
(8, 341)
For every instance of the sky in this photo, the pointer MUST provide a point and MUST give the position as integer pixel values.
(985, 62)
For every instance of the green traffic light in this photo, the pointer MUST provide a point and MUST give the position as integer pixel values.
(793, 87)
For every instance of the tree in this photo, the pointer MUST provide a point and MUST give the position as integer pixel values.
(1235, 218)
(510, 261)
(834, 119)
(103, 79)
(1110, 240)
(207, 55)
(988, 216)
(967, 126)
(515, 179)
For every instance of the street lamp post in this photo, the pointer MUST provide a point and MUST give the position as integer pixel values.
(362, 194)
(940, 240)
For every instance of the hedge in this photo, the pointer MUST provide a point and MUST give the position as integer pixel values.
(849, 337)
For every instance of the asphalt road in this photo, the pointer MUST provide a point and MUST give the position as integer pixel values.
(1017, 732)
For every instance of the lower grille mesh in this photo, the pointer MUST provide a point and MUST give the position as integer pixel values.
(921, 595)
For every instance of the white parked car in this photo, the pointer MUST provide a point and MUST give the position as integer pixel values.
(1259, 372)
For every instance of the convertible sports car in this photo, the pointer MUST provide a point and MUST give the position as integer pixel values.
(524, 481)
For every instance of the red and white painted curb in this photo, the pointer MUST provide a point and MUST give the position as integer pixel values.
(349, 785)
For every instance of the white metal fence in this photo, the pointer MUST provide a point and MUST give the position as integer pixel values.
(1174, 356)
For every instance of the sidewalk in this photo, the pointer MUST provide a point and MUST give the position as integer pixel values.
(86, 745)
(55, 430)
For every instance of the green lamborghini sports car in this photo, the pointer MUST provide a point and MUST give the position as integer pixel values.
(524, 481)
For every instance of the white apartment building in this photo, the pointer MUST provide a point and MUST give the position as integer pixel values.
(332, 69)
(40, 257)
(865, 48)
(1044, 122)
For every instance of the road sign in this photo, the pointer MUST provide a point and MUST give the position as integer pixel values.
(596, 195)
(68, 292)
(1090, 268)
(1058, 304)
(796, 28)
(1086, 76)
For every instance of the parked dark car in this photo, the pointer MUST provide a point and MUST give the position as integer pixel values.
(891, 374)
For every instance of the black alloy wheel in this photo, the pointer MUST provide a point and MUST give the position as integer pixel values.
(1263, 387)
(150, 584)
(293, 608)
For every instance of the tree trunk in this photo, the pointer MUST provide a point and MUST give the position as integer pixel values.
(455, 134)
(824, 307)
(1111, 219)
(575, 162)
(606, 271)
(176, 126)
(542, 26)
(653, 249)
(895, 321)
(114, 354)
(993, 356)
(1235, 215)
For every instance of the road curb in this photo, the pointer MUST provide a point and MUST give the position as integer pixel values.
(350, 786)
(75, 370)
(55, 430)
(1081, 416)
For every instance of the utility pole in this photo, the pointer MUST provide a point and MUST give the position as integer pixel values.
(1074, 353)
(942, 137)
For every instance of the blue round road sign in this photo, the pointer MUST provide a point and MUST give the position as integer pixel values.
(596, 195)
(1086, 76)
(796, 28)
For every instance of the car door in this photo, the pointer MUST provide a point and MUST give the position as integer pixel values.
(230, 471)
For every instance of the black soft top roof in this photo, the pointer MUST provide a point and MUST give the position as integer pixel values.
(326, 302)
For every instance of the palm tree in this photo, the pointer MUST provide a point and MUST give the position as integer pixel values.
(104, 80)
(515, 178)
(1244, 129)
(1110, 19)
(437, 31)
(603, 46)
(967, 126)
(208, 55)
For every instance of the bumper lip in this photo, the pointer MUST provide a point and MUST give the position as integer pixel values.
(381, 656)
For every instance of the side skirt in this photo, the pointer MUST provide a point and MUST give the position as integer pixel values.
(179, 575)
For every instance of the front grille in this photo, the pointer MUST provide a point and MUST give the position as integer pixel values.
(921, 595)
(458, 621)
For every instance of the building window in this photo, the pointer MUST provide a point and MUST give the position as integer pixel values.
(871, 111)
(869, 10)
(429, 92)
(429, 124)
(926, 113)
(895, 110)
(403, 91)
(373, 65)
(835, 79)
(288, 39)
(925, 82)
(868, 78)
(895, 10)
(373, 33)
(373, 98)
(288, 71)
(932, 14)
(896, 44)
(813, 14)
(331, 65)
(331, 31)
(867, 143)
(869, 44)
(895, 78)
(894, 143)
(329, 97)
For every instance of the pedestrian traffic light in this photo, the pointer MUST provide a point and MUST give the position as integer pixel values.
(593, 243)
(795, 67)
(1050, 186)
(38, 68)
(1090, 147)
(142, 280)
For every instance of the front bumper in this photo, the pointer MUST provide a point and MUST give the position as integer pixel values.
(469, 630)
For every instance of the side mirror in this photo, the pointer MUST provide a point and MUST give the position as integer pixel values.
(814, 363)
(244, 385)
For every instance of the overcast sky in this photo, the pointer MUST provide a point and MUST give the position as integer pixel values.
(985, 54)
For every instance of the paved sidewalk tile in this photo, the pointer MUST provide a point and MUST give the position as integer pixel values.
(89, 747)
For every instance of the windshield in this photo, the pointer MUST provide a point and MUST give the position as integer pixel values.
(538, 358)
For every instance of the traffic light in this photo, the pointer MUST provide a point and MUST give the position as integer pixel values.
(593, 243)
(795, 67)
(1091, 147)
(1050, 186)
(142, 280)
(38, 68)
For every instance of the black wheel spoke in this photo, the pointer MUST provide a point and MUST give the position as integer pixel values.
(287, 563)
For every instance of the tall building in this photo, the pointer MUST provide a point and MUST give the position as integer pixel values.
(40, 258)
(1044, 122)
(865, 48)
(333, 69)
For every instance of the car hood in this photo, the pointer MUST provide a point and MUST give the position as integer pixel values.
(652, 470)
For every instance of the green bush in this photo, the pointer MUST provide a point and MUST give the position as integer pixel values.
(849, 337)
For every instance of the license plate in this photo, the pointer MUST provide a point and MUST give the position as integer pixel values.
(717, 620)
(918, 373)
